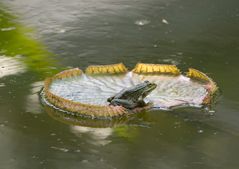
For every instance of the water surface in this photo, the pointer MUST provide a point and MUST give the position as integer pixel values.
(39, 38)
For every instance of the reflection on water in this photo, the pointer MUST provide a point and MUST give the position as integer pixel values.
(32, 101)
(98, 135)
(17, 41)
(10, 66)
(201, 34)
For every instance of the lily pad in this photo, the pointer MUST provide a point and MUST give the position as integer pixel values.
(80, 93)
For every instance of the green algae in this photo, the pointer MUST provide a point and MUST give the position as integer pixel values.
(16, 40)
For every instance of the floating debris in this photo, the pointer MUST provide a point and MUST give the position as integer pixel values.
(200, 131)
(165, 21)
(142, 22)
(53, 134)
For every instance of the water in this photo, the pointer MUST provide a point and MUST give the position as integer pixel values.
(47, 36)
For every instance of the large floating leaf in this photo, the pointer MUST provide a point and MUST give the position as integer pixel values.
(74, 91)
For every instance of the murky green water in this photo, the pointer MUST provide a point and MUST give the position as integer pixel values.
(47, 37)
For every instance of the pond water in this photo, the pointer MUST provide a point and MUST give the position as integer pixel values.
(39, 38)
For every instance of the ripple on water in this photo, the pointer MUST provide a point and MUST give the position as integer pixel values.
(62, 31)
(60, 149)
